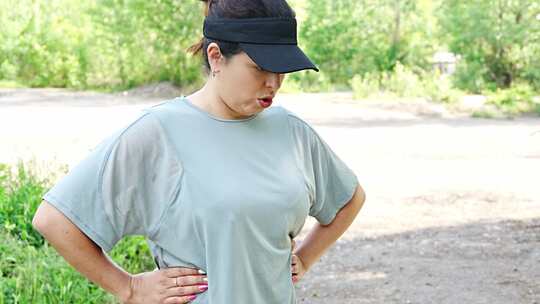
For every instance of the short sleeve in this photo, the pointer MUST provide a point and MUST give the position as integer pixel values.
(330, 182)
(123, 186)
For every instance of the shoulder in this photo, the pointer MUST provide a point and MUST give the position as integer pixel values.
(141, 140)
(141, 132)
(298, 126)
(293, 119)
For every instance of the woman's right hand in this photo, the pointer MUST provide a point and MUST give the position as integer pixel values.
(166, 286)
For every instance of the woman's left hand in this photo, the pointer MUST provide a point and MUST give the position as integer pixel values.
(297, 266)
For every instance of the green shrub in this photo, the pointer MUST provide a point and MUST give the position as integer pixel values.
(311, 81)
(31, 271)
(405, 83)
(402, 82)
(439, 88)
(39, 275)
(20, 195)
(470, 76)
(519, 98)
(365, 86)
(346, 38)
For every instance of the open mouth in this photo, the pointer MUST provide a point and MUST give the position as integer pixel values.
(265, 102)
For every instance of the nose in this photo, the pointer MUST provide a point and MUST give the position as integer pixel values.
(274, 80)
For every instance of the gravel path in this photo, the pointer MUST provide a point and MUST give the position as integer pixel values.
(453, 203)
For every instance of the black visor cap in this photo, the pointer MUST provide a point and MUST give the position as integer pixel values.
(270, 42)
(278, 58)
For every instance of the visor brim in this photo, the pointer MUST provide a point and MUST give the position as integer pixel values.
(278, 58)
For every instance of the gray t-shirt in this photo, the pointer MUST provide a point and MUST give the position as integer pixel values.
(220, 195)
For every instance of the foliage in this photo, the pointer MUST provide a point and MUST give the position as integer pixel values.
(29, 275)
(440, 88)
(520, 98)
(365, 86)
(499, 41)
(119, 44)
(347, 38)
(106, 43)
(20, 195)
(30, 269)
(404, 82)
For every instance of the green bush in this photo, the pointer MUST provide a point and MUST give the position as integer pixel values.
(439, 88)
(311, 81)
(469, 76)
(405, 83)
(39, 275)
(498, 42)
(31, 271)
(520, 98)
(20, 195)
(348, 38)
(108, 44)
(365, 86)
(402, 82)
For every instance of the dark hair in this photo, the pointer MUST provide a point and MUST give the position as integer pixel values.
(238, 9)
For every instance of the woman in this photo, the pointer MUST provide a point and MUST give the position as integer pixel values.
(217, 181)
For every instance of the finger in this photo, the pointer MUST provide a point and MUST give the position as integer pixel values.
(294, 269)
(188, 280)
(185, 290)
(173, 272)
(179, 300)
(293, 244)
(294, 259)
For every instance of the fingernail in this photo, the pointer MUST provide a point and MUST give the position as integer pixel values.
(203, 287)
(205, 279)
(201, 271)
(192, 297)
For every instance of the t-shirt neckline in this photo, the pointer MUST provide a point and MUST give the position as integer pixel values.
(185, 100)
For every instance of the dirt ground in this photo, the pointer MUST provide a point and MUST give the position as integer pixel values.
(453, 203)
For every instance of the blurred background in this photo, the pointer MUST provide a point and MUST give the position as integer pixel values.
(434, 104)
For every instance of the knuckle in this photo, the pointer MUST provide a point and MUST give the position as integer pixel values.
(182, 281)
(192, 290)
(178, 291)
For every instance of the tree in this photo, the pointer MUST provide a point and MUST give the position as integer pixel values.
(498, 39)
(356, 37)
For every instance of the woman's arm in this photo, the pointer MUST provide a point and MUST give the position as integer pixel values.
(80, 251)
(321, 237)
(168, 285)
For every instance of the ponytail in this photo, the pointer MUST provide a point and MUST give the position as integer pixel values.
(197, 47)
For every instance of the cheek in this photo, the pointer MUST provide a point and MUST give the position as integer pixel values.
(240, 88)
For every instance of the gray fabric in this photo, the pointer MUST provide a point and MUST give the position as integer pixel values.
(220, 195)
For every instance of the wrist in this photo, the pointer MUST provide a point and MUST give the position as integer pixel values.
(125, 290)
(306, 265)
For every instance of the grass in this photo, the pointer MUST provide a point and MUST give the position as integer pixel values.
(9, 84)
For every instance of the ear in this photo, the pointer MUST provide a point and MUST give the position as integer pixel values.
(214, 56)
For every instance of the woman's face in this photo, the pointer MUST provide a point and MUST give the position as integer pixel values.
(241, 83)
